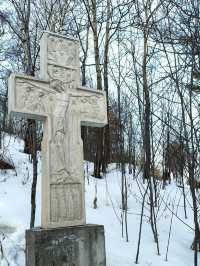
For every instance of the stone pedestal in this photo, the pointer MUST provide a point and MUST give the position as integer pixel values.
(67, 246)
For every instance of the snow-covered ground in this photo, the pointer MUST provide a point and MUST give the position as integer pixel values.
(15, 216)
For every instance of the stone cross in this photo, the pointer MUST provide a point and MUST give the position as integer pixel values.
(58, 99)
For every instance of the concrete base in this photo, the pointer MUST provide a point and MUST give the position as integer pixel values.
(69, 246)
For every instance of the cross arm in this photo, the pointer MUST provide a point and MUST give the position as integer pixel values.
(28, 97)
(91, 105)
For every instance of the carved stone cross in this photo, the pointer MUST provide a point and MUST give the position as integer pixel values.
(58, 99)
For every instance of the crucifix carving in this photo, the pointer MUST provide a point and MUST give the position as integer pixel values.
(58, 99)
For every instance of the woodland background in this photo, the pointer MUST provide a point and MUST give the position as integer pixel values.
(146, 55)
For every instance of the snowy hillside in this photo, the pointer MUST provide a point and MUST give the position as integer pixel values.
(15, 217)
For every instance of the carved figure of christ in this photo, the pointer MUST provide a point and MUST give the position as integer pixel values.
(58, 99)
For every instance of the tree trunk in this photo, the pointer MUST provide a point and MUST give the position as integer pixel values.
(99, 136)
(32, 128)
(31, 134)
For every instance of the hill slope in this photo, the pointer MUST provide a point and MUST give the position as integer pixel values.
(15, 190)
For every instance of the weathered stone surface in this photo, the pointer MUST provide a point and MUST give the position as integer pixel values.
(71, 246)
(58, 99)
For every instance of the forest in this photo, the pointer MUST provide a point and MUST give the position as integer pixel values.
(145, 55)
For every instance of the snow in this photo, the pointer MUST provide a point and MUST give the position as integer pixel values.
(15, 216)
